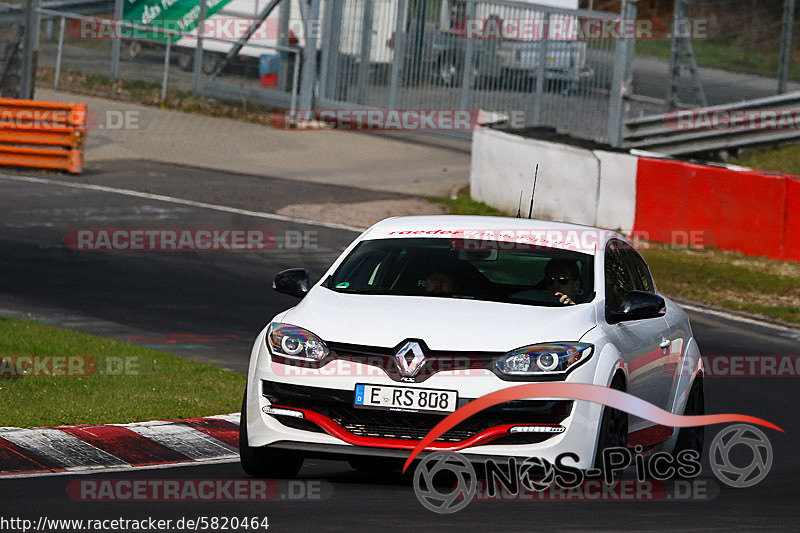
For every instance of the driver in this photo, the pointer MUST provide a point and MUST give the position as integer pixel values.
(440, 282)
(563, 279)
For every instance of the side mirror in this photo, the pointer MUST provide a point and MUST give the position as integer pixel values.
(293, 282)
(638, 305)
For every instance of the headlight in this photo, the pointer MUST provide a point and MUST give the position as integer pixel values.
(543, 359)
(296, 343)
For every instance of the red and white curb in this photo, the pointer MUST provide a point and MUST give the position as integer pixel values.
(113, 447)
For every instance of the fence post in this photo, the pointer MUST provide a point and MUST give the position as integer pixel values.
(165, 78)
(284, 14)
(620, 79)
(538, 105)
(198, 52)
(469, 58)
(366, 47)
(295, 82)
(309, 77)
(786, 45)
(61, 27)
(116, 42)
(399, 51)
(29, 53)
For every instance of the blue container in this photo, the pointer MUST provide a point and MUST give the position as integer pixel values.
(269, 63)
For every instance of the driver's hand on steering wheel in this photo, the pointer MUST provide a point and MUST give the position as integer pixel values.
(564, 299)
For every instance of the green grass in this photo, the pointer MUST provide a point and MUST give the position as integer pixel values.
(729, 279)
(155, 385)
(709, 53)
(715, 277)
(149, 93)
(465, 205)
(785, 160)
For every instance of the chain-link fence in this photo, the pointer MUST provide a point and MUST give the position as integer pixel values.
(12, 33)
(531, 63)
(518, 60)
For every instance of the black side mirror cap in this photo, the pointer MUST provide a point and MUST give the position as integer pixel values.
(294, 282)
(639, 305)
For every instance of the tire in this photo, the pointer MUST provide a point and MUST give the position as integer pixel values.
(694, 437)
(211, 61)
(265, 462)
(132, 49)
(186, 59)
(613, 427)
(447, 72)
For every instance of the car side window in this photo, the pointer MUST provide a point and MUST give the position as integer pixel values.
(643, 276)
(619, 276)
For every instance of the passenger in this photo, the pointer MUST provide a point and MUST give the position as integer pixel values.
(441, 283)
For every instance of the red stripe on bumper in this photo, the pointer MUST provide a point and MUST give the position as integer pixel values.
(332, 428)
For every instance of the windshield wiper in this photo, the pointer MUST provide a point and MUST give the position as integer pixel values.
(359, 291)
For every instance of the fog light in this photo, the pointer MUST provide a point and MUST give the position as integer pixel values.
(270, 410)
(537, 429)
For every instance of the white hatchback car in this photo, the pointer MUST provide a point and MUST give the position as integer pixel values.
(421, 315)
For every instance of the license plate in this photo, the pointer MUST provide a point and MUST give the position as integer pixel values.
(406, 398)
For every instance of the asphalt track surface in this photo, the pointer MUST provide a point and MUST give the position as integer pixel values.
(227, 296)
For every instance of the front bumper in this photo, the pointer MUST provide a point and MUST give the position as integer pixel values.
(330, 421)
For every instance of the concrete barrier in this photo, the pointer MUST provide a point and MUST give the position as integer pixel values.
(575, 184)
(791, 228)
(658, 198)
(733, 209)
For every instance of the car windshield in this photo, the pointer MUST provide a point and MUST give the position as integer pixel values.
(468, 269)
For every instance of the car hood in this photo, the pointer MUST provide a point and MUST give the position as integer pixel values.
(443, 323)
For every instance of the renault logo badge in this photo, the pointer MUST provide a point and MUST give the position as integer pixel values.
(410, 359)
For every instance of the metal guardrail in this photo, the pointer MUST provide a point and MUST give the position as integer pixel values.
(15, 12)
(714, 128)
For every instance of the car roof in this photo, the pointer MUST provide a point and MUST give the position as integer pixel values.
(561, 235)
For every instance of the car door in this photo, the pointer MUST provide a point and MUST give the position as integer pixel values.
(675, 340)
(638, 340)
(670, 338)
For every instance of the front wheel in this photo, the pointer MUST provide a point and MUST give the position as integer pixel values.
(692, 438)
(613, 428)
(265, 462)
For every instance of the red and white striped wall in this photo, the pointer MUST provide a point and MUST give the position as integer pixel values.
(650, 196)
(74, 449)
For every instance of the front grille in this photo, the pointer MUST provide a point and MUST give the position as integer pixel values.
(338, 406)
(436, 360)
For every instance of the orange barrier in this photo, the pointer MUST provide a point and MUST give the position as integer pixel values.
(39, 134)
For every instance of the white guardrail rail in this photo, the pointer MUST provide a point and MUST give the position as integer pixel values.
(686, 131)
